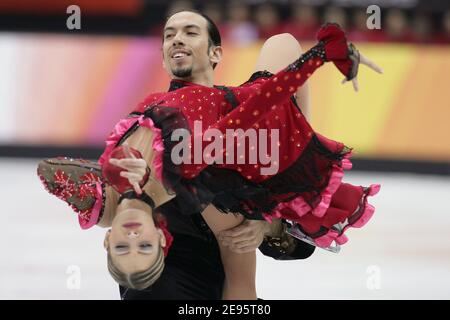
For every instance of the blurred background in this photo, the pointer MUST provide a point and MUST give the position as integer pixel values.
(62, 91)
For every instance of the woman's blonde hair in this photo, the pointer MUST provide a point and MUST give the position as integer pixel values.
(139, 280)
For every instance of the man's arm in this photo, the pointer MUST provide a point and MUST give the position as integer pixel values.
(240, 268)
(271, 239)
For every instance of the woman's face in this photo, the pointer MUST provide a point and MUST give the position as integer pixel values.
(134, 240)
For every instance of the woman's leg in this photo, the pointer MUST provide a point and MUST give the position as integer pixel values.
(277, 53)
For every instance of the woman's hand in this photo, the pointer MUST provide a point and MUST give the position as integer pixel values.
(365, 61)
(135, 168)
(343, 54)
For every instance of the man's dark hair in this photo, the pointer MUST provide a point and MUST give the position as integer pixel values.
(213, 31)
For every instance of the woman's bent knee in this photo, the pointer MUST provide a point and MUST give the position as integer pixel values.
(283, 37)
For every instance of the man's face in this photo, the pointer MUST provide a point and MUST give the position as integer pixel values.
(186, 51)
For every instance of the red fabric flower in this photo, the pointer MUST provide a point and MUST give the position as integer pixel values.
(161, 223)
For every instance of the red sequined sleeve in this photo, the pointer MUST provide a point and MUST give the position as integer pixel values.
(281, 86)
(273, 91)
(277, 89)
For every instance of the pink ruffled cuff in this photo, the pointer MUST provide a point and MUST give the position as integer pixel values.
(301, 207)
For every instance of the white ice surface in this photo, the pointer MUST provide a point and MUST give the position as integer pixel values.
(402, 253)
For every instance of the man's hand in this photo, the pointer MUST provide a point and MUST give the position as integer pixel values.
(245, 237)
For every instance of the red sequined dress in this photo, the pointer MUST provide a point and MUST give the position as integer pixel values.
(307, 186)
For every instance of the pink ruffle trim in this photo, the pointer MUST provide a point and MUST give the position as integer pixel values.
(301, 207)
(368, 211)
(122, 127)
